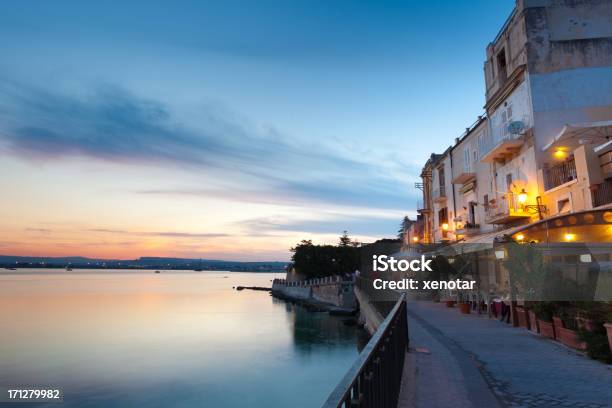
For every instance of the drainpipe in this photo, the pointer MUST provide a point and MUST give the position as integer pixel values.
(453, 186)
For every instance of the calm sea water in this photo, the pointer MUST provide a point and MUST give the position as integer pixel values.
(178, 338)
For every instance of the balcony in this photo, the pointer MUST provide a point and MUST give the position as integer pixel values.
(505, 210)
(602, 195)
(421, 208)
(439, 194)
(468, 229)
(464, 176)
(559, 174)
(501, 148)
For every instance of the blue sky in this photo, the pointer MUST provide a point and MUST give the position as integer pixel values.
(232, 129)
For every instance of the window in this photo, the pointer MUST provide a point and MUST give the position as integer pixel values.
(486, 202)
(466, 160)
(509, 182)
(564, 206)
(443, 216)
(472, 213)
(501, 64)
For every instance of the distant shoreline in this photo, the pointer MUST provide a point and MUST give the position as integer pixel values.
(194, 264)
(4, 269)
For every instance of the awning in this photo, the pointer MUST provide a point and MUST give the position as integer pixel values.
(480, 242)
(578, 134)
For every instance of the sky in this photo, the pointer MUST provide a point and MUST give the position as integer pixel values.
(230, 129)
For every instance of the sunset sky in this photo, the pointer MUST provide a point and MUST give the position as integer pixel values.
(226, 130)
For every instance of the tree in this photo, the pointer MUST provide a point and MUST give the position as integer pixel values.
(345, 240)
(316, 261)
(404, 226)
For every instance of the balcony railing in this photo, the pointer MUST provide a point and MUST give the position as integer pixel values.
(603, 194)
(501, 142)
(504, 210)
(560, 174)
(468, 229)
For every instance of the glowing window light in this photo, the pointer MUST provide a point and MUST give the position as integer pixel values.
(569, 237)
(520, 237)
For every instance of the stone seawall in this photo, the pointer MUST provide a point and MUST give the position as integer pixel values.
(332, 293)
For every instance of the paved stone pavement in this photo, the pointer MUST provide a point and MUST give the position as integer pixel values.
(458, 361)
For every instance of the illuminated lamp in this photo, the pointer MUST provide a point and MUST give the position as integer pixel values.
(560, 154)
(520, 237)
(445, 227)
(415, 239)
(500, 254)
(522, 197)
(569, 237)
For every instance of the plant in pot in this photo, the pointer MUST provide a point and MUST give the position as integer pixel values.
(566, 330)
(527, 277)
(544, 313)
(598, 340)
(461, 265)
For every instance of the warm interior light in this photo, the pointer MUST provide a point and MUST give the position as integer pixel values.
(415, 239)
(520, 237)
(569, 237)
(445, 227)
(522, 197)
(560, 154)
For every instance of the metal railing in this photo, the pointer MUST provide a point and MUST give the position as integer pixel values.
(560, 174)
(375, 378)
(603, 194)
(506, 204)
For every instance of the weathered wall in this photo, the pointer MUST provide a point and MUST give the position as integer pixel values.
(338, 294)
(569, 97)
(296, 292)
(473, 143)
(368, 314)
(565, 34)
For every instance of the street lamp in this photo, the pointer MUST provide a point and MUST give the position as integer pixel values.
(538, 208)
(522, 197)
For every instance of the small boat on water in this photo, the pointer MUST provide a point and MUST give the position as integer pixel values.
(68, 268)
(199, 268)
(157, 272)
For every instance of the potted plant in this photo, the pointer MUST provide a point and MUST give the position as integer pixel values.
(608, 326)
(465, 307)
(566, 331)
(522, 317)
(533, 324)
(544, 313)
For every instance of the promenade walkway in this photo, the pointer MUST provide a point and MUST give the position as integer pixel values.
(471, 361)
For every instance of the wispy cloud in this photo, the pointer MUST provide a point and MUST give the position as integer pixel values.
(112, 124)
(171, 234)
(328, 224)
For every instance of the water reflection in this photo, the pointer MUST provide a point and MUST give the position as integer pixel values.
(114, 339)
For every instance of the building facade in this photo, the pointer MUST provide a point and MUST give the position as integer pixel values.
(542, 149)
